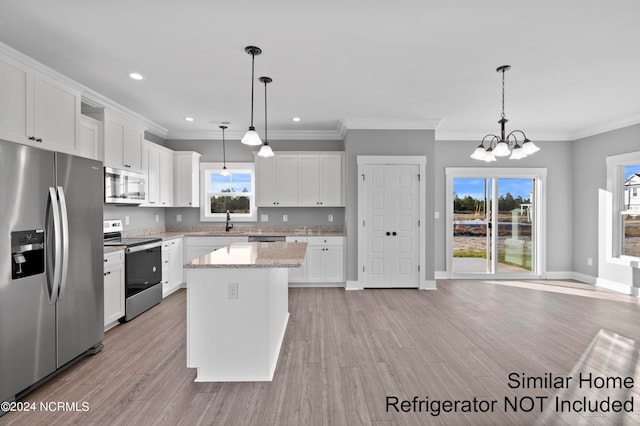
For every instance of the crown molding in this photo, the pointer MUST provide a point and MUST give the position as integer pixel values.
(477, 136)
(606, 127)
(368, 123)
(321, 135)
(89, 96)
(20, 57)
(96, 100)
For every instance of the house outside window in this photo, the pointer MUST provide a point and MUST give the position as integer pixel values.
(233, 192)
(631, 211)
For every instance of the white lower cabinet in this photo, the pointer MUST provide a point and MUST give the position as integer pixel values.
(323, 263)
(298, 275)
(172, 269)
(113, 287)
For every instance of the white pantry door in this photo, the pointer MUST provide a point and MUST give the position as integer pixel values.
(391, 227)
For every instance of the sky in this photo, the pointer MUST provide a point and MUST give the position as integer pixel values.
(629, 170)
(237, 182)
(475, 187)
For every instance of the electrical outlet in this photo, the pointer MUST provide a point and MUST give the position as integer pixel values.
(264, 218)
(330, 218)
(157, 218)
(436, 215)
(589, 261)
(285, 218)
(178, 218)
(126, 220)
(232, 290)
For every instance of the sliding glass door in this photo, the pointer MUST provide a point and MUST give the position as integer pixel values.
(493, 223)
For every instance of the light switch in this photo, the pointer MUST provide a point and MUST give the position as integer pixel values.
(178, 218)
(436, 215)
(157, 218)
(126, 220)
(330, 218)
(285, 218)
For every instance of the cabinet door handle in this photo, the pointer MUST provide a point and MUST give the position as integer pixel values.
(105, 261)
(394, 233)
(39, 140)
(107, 273)
(189, 203)
(32, 138)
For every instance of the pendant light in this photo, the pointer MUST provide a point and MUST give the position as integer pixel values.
(252, 137)
(503, 146)
(266, 150)
(224, 171)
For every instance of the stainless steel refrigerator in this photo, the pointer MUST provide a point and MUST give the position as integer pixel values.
(51, 263)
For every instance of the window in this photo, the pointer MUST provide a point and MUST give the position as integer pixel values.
(623, 173)
(232, 192)
(631, 211)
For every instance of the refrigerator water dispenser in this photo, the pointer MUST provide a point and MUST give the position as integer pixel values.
(27, 253)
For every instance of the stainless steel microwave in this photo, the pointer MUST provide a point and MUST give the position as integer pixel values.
(123, 186)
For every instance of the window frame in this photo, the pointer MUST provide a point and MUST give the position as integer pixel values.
(206, 169)
(616, 186)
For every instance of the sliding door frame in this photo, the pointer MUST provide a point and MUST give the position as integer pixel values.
(540, 213)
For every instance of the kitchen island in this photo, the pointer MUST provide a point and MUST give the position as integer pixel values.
(237, 310)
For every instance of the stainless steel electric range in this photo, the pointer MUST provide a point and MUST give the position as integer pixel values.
(143, 268)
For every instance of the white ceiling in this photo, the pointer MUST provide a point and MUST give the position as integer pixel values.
(373, 64)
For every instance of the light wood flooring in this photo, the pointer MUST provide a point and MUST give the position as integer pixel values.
(345, 352)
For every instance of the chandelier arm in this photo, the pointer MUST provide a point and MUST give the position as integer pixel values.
(517, 131)
(493, 138)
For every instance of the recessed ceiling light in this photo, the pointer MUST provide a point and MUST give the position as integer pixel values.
(189, 119)
(296, 119)
(136, 76)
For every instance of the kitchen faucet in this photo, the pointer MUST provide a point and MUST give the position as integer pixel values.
(229, 225)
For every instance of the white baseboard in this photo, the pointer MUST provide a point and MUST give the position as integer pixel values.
(588, 279)
(309, 285)
(441, 275)
(428, 285)
(353, 285)
(616, 286)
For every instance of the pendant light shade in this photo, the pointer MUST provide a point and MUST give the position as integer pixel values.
(504, 145)
(266, 150)
(252, 137)
(224, 171)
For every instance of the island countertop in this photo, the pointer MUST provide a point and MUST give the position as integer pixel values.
(253, 255)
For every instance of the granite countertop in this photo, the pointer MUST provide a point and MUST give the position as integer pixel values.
(219, 231)
(111, 249)
(253, 255)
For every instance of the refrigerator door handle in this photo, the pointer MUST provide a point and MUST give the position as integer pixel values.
(53, 295)
(65, 242)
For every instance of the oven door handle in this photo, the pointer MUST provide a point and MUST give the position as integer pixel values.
(144, 247)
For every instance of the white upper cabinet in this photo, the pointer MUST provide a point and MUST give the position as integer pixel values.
(321, 180)
(157, 163)
(310, 179)
(91, 138)
(277, 181)
(186, 179)
(122, 139)
(38, 110)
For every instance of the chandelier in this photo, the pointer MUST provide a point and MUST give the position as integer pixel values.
(504, 145)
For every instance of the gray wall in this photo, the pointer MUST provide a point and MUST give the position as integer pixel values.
(139, 217)
(554, 156)
(590, 174)
(211, 150)
(386, 142)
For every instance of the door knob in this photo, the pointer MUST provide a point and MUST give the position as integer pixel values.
(394, 233)
(388, 233)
